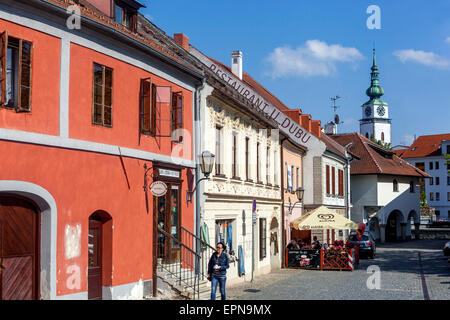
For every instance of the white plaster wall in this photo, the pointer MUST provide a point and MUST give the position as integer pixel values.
(443, 205)
(363, 193)
(383, 127)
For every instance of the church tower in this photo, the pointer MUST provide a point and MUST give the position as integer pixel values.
(375, 120)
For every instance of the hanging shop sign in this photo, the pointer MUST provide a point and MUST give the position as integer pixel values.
(169, 173)
(308, 259)
(286, 125)
(158, 188)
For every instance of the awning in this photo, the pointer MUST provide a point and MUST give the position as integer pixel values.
(323, 218)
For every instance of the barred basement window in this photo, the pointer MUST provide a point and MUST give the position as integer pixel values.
(15, 73)
(102, 96)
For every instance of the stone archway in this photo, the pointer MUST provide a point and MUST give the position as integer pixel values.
(394, 226)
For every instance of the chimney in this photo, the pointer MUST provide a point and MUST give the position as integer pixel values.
(306, 121)
(182, 40)
(316, 128)
(236, 63)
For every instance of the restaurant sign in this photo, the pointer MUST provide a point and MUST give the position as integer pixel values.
(308, 259)
(158, 188)
(285, 124)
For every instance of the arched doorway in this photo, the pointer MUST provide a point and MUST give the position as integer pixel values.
(393, 227)
(19, 248)
(99, 254)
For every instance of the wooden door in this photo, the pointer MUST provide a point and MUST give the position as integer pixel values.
(95, 260)
(19, 253)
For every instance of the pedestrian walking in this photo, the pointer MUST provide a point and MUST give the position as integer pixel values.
(217, 270)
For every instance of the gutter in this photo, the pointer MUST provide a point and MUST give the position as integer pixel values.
(122, 37)
(283, 232)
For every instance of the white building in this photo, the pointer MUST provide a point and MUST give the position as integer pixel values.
(427, 154)
(385, 190)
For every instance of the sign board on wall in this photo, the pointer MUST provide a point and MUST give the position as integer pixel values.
(158, 188)
(169, 173)
(286, 125)
(308, 259)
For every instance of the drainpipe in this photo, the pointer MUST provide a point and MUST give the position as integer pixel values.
(283, 235)
(347, 184)
(197, 147)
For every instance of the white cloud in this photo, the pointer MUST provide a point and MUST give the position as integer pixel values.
(426, 58)
(315, 58)
(447, 40)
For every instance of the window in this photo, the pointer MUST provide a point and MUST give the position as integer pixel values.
(298, 177)
(448, 197)
(124, 16)
(437, 165)
(103, 91)
(367, 135)
(247, 162)
(431, 196)
(258, 177)
(382, 136)
(147, 107)
(438, 196)
(234, 170)
(340, 182)
(218, 162)
(262, 239)
(437, 181)
(395, 185)
(268, 166)
(15, 73)
(448, 152)
(448, 181)
(431, 165)
(327, 174)
(177, 116)
(437, 213)
(431, 181)
(333, 180)
(411, 187)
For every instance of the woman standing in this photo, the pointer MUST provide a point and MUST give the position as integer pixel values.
(217, 270)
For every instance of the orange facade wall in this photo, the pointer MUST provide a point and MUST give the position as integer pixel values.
(126, 87)
(82, 183)
(44, 116)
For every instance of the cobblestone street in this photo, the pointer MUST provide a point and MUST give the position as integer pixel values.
(414, 270)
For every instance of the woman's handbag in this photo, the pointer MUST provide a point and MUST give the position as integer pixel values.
(209, 278)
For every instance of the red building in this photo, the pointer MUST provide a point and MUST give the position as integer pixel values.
(89, 116)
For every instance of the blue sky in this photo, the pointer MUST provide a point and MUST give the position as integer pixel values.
(308, 51)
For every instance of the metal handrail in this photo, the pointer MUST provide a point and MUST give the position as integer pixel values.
(178, 242)
(201, 241)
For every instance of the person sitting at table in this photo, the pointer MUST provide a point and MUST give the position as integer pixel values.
(325, 246)
(316, 243)
(292, 245)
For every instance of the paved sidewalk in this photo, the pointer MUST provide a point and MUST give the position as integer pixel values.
(414, 270)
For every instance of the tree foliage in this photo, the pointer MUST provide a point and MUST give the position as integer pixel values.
(385, 145)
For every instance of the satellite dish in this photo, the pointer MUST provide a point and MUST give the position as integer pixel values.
(336, 119)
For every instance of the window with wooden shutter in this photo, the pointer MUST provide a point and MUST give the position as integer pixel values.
(145, 112)
(15, 73)
(341, 182)
(333, 180)
(102, 96)
(327, 174)
(177, 115)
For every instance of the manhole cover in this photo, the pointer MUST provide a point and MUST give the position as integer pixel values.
(252, 290)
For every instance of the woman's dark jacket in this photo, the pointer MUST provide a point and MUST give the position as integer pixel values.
(221, 261)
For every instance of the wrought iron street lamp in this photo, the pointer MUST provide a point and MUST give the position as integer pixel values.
(206, 166)
(299, 193)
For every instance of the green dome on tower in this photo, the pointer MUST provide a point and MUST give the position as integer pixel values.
(375, 91)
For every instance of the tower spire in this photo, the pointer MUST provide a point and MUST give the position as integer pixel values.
(375, 91)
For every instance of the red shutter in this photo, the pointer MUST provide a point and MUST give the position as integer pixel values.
(333, 180)
(146, 105)
(341, 182)
(328, 179)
